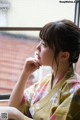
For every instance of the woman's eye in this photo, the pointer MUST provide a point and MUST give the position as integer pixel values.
(43, 43)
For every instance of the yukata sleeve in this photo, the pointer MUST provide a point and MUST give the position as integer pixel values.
(27, 98)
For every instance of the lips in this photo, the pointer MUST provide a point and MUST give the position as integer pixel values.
(37, 56)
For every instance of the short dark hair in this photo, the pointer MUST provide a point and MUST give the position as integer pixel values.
(62, 35)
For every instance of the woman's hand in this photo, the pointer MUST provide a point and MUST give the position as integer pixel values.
(30, 65)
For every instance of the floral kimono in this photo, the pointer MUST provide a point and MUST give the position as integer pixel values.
(40, 102)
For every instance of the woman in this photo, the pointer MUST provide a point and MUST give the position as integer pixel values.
(50, 98)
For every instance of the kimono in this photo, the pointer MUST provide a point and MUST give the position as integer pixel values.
(40, 102)
(74, 110)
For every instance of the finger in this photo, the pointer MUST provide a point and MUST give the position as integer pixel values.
(36, 64)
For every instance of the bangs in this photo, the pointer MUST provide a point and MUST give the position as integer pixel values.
(45, 33)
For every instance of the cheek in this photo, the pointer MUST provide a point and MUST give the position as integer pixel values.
(46, 58)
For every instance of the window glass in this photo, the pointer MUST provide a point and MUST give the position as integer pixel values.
(14, 49)
(35, 13)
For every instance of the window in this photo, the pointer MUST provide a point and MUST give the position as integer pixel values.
(38, 12)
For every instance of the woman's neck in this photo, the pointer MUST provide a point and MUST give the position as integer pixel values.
(60, 72)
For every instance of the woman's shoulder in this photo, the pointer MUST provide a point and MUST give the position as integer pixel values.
(72, 84)
(75, 78)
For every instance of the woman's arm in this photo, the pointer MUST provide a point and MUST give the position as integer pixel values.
(31, 64)
(17, 93)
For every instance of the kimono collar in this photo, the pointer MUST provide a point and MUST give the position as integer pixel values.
(69, 73)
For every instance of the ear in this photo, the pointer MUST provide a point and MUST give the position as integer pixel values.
(64, 56)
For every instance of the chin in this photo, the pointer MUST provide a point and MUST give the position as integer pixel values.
(45, 64)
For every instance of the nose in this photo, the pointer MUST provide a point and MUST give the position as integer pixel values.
(38, 46)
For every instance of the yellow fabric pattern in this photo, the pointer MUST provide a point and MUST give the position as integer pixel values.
(56, 103)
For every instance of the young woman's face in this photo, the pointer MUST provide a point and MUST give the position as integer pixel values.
(44, 54)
